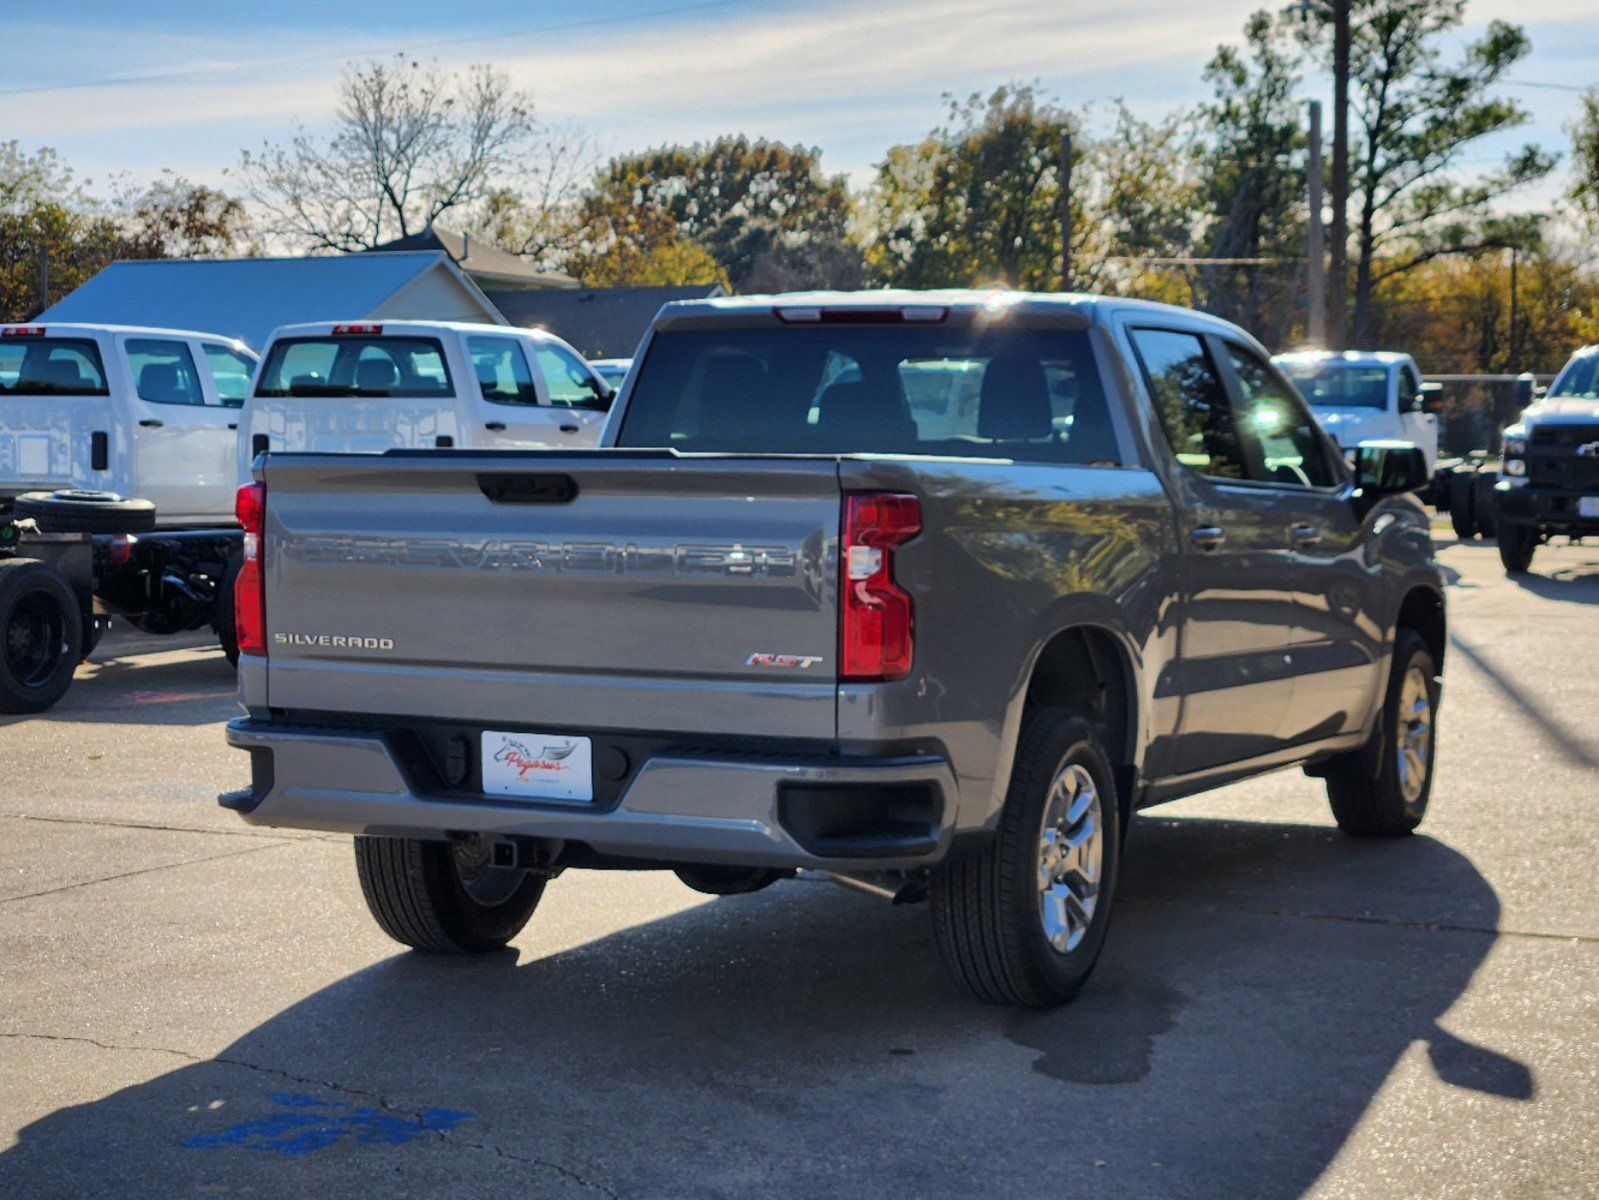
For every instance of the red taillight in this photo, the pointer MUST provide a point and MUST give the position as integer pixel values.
(361, 330)
(249, 596)
(876, 617)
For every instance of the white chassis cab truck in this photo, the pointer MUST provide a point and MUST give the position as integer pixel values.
(117, 477)
(369, 387)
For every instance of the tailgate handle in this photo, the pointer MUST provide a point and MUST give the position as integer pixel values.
(522, 487)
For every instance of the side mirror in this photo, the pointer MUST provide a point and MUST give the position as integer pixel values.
(1432, 398)
(1389, 469)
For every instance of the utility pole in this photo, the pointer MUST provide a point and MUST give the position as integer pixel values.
(1315, 250)
(1066, 212)
(1515, 329)
(1339, 266)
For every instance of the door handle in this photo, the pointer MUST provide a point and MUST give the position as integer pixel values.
(151, 423)
(1305, 536)
(233, 424)
(1208, 537)
(495, 426)
(569, 428)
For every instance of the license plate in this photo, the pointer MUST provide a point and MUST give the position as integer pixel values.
(1588, 506)
(541, 766)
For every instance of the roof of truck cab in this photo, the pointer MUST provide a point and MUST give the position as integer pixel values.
(1385, 358)
(1084, 305)
(326, 328)
(58, 328)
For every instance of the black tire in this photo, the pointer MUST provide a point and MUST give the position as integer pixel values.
(1365, 787)
(225, 622)
(1517, 544)
(1484, 507)
(987, 908)
(421, 898)
(41, 635)
(727, 881)
(85, 512)
(1463, 505)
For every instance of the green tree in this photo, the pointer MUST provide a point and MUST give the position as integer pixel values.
(1585, 160)
(1414, 117)
(766, 212)
(1252, 185)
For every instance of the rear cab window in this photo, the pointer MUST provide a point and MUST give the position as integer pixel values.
(163, 371)
(357, 366)
(51, 366)
(1340, 384)
(1030, 395)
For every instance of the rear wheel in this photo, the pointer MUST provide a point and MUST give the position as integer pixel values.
(1023, 922)
(225, 622)
(444, 897)
(1484, 507)
(41, 635)
(1382, 789)
(1463, 506)
(1517, 544)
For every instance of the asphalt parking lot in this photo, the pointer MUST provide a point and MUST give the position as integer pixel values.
(191, 1007)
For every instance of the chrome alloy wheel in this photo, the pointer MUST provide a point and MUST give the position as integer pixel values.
(1071, 847)
(1414, 734)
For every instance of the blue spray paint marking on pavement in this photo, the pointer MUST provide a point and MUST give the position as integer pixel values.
(308, 1123)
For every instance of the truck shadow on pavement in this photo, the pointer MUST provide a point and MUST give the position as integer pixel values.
(135, 685)
(1261, 985)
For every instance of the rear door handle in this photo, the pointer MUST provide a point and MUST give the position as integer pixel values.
(494, 426)
(1208, 537)
(151, 423)
(1305, 536)
(569, 428)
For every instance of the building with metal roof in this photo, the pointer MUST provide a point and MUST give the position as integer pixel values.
(247, 298)
(487, 265)
(598, 322)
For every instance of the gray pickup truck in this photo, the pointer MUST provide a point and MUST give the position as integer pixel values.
(923, 591)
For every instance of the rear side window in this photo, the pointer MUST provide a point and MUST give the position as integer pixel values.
(399, 367)
(1191, 401)
(502, 371)
(51, 367)
(230, 371)
(163, 371)
(567, 377)
(1027, 395)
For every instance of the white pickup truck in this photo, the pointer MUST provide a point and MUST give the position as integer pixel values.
(1367, 396)
(117, 475)
(365, 387)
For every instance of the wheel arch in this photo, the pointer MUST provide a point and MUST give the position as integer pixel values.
(1422, 609)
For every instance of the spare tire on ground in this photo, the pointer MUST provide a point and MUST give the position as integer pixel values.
(72, 511)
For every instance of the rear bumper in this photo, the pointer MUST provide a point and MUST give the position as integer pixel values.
(1551, 509)
(775, 811)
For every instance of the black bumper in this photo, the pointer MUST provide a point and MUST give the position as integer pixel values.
(1553, 510)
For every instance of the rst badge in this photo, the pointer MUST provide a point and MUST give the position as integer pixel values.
(794, 662)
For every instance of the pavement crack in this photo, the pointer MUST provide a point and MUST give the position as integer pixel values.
(374, 1098)
(282, 835)
(188, 862)
(1368, 919)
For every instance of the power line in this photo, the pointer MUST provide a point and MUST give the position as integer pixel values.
(425, 44)
(1553, 87)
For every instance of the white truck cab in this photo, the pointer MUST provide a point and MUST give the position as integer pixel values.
(147, 413)
(1366, 395)
(367, 387)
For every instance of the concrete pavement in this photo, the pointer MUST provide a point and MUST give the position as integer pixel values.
(192, 1007)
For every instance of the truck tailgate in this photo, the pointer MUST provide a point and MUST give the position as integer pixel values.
(611, 590)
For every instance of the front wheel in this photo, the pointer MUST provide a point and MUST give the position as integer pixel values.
(41, 635)
(1023, 922)
(1382, 789)
(1517, 544)
(444, 897)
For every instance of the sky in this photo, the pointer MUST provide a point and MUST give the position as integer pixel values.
(132, 88)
